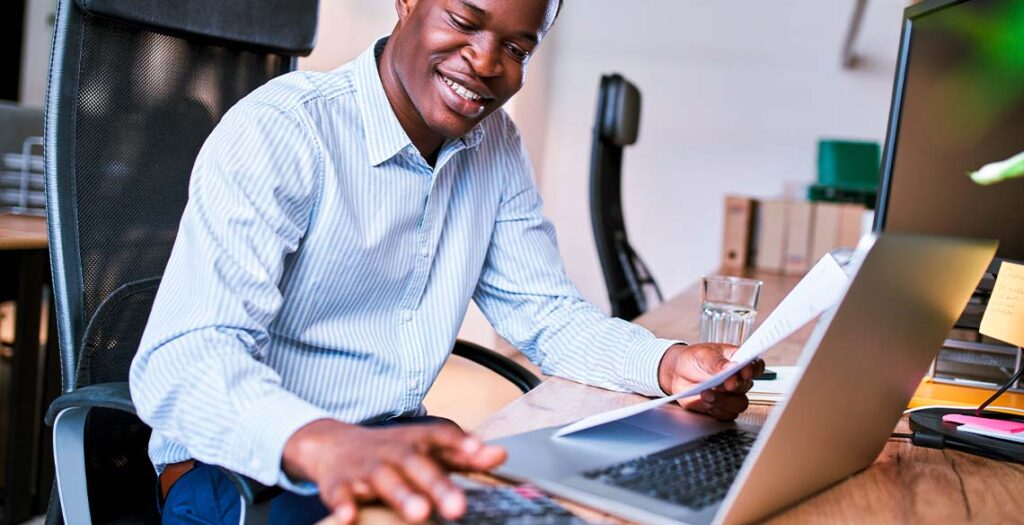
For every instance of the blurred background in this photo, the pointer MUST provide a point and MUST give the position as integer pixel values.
(736, 96)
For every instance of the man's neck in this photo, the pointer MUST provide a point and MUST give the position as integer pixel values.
(427, 141)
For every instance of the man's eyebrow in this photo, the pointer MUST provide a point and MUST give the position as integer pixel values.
(477, 10)
(529, 36)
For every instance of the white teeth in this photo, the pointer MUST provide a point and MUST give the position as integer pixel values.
(461, 90)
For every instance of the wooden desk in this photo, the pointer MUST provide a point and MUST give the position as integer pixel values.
(34, 368)
(906, 484)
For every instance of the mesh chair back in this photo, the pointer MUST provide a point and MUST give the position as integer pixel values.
(616, 125)
(133, 95)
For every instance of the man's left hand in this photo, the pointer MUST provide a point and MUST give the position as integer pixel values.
(683, 366)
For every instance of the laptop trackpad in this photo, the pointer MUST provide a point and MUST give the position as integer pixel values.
(615, 433)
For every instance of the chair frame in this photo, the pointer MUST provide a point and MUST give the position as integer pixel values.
(616, 125)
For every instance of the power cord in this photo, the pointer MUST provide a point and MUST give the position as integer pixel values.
(929, 430)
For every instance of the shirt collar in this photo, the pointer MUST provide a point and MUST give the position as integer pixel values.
(385, 136)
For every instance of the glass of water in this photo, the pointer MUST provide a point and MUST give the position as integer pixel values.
(728, 308)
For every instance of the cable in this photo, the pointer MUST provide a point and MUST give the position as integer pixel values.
(977, 411)
(1002, 389)
(963, 407)
(901, 435)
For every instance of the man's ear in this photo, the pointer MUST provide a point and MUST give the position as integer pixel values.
(403, 8)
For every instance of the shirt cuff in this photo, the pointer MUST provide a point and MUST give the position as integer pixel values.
(640, 367)
(264, 431)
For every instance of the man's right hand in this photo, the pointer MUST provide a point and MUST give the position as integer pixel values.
(406, 466)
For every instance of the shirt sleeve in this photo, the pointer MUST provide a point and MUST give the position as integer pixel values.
(524, 293)
(199, 377)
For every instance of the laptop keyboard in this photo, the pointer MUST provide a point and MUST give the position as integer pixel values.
(694, 474)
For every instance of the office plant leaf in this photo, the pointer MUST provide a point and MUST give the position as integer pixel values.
(1000, 171)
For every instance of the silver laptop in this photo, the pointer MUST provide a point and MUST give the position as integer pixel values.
(860, 366)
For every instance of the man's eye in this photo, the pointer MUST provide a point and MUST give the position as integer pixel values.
(460, 24)
(517, 52)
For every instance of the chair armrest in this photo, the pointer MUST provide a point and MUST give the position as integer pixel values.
(503, 366)
(103, 395)
(118, 396)
(252, 491)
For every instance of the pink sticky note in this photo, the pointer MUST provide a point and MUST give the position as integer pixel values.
(998, 425)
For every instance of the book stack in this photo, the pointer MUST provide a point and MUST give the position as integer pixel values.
(787, 236)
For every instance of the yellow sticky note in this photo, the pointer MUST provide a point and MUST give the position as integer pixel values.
(1004, 315)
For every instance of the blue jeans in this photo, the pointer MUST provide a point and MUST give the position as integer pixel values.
(205, 496)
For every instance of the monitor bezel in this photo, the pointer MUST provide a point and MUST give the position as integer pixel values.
(896, 105)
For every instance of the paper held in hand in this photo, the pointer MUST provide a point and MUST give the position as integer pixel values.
(822, 288)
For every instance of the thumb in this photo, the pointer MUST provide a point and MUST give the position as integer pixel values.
(728, 350)
(711, 360)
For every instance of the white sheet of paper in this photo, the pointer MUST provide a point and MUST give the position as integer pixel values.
(782, 384)
(822, 288)
(991, 433)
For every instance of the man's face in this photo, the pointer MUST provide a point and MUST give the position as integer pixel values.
(459, 60)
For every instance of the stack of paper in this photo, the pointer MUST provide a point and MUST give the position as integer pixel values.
(770, 392)
(997, 428)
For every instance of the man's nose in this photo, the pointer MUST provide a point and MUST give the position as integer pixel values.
(484, 56)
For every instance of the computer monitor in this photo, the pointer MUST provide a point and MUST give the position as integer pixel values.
(958, 104)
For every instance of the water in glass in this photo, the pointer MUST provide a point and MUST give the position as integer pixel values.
(726, 323)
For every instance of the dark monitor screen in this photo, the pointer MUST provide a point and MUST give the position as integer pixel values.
(958, 104)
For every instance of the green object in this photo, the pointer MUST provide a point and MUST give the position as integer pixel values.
(999, 171)
(847, 171)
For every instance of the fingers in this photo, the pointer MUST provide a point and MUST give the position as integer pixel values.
(341, 502)
(476, 457)
(429, 479)
(362, 491)
(743, 381)
(467, 452)
(724, 406)
(394, 489)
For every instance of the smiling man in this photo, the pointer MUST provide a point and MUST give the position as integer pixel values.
(338, 226)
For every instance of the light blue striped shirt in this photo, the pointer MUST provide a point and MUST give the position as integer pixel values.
(322, 270)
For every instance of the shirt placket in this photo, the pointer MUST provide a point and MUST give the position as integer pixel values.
(438, 193)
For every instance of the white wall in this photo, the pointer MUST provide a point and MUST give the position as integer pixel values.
(736, 95)
(346, 28)
(35, 51)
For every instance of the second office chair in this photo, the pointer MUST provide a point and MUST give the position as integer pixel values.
(616, 126)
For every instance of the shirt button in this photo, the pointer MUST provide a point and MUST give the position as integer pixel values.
(407, 316)
(424, 252)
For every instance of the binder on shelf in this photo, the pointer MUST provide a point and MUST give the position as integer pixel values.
(738, 232)
(825, 236)
(771, 241)
(799, 223)
(850, 224)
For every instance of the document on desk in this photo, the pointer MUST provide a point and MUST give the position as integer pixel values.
(822, 288)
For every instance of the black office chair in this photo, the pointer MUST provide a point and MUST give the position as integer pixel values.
(135, 88)
(616, 126)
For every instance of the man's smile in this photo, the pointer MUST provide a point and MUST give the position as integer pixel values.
(461, 99)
